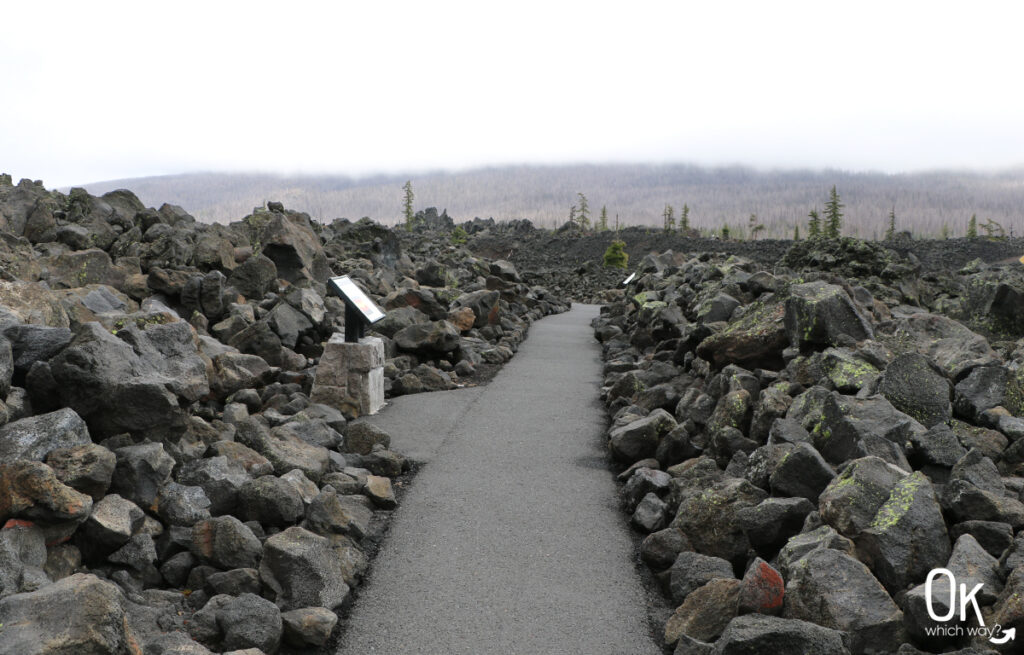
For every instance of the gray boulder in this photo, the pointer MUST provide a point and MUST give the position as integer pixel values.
(254, 277)
(270, 501)
(179, 504)
(438, 337)
(772, 522)
(802, 472)
(111, 524)
(963, 501)
(308, 627)
(361, 437)
(693, 570)
(938, 446)
(219, 478)
(639, 439)
(836, 591)
(80, 614)
(485, 306)
(31, 343)
(650, 513)
(22, 558)
(288, 323)
(131, 382)
(249, 621)
(141, 470)
(88, 468)
(225, 542)
(771, 635)
(301, 569)
(285, 450)
(34, 437)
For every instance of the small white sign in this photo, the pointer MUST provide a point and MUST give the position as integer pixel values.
(370, 311)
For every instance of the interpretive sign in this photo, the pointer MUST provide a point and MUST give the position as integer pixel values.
(360, 311)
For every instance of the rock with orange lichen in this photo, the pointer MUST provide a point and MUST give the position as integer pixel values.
(32, 490)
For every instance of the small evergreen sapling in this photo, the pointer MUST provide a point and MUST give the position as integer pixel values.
(616, 256)
(814, 224)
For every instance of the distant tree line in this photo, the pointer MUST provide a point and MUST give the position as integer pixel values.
(925, 202)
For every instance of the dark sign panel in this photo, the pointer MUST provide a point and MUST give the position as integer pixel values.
(353, 296)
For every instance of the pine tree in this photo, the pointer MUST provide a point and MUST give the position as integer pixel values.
(584, 213)
(755, 226)
(572, 215)
(684, 218)
(833, 215)
(991, 227)
(945, 231)
(796, 233)
(972, 227)
(725, 232)
(602, 222)
(669, 218)
(813, 225)
(890, 232)
(407, 204)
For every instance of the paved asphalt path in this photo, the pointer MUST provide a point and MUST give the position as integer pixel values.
(509, 540)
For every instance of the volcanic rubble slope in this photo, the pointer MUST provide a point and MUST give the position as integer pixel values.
(802, 448)
(166, 483)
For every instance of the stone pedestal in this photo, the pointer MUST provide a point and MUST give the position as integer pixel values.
(350, 376)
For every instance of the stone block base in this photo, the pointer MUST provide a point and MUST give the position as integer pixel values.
(350, 376)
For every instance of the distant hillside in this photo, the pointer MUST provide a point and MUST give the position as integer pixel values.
(924, 202)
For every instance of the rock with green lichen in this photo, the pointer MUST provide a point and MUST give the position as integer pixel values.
(710, 519)
(822, 314)
(772, 404)
(907, 537)
(850, 427)
(983, 388)
(848, 373)
(756, 339)
(732, 411)
(991, 442)
(950, 344)
(850, 502)
(915, 386)
(803, 543)
(802, 473)
(995, 302)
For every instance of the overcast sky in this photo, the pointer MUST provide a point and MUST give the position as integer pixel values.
(104, 90)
